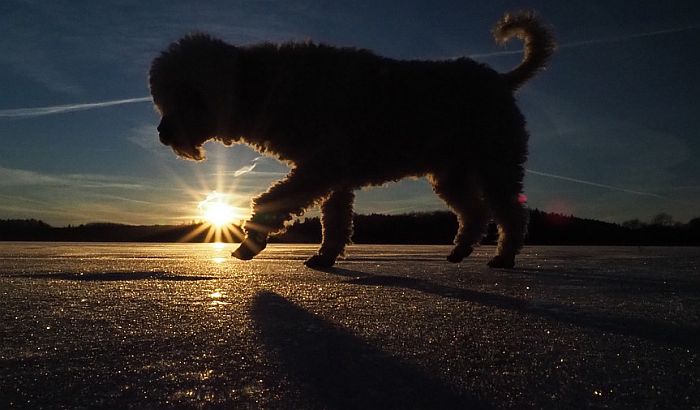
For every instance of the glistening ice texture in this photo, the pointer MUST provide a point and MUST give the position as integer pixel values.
(144, 325)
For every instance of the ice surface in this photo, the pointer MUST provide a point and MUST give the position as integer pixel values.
(151, 325)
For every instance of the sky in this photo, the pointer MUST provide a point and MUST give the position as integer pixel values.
(614, 120)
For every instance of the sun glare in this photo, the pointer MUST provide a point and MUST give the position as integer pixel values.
(217, 211)
(220, 220)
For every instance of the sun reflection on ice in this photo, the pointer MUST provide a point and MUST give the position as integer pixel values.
(217, 295)
(220, 256)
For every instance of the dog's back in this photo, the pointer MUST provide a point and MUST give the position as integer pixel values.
(316, 93)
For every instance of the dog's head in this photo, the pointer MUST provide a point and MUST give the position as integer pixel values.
(190, 85)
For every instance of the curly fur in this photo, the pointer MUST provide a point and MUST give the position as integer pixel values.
(344, 118)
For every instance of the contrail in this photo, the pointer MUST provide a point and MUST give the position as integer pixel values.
(595, 184)
(59, 109)
(603, 40)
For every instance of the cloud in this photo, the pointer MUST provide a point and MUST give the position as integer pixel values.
(60, 109)
(270, 167)
(244, 170)
(80, 198)
(12, 177)
(248, 168)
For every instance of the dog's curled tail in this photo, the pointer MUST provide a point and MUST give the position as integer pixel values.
(538, 48)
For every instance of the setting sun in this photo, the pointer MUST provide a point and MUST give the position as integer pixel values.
(217, 210)
(220, 219)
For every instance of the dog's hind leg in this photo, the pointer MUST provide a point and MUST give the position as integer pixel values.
(336, 220)
(503, 197)
(282, 202)
(462, 194)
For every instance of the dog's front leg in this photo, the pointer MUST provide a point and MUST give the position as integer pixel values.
(282, 202)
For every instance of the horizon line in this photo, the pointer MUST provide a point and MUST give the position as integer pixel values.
(196, 221)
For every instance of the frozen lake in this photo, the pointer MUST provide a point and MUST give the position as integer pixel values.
(160, 325)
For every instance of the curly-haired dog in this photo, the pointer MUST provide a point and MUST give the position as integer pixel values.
(344, 118)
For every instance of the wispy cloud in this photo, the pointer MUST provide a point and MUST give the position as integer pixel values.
(604, 40)
(247, 168)
(270, 167)
(78, 198)
(60, 109)
(21, 177)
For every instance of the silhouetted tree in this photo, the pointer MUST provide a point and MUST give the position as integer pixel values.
(633, 224)
(662, 219)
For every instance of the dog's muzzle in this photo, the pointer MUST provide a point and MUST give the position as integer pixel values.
(163, 139)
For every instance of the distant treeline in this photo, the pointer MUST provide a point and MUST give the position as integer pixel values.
(414, 228)
(35, 230)
(544, 229)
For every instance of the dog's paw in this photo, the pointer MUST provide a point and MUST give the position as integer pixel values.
(320, 261)
(249, 248)
(500, 261)
(459, 253)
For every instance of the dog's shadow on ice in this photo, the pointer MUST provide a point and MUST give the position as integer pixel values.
(655, 330)
(339, 369)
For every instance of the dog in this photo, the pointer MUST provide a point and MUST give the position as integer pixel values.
(345, 118)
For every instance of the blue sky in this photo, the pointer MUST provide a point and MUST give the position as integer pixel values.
(614, 121)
